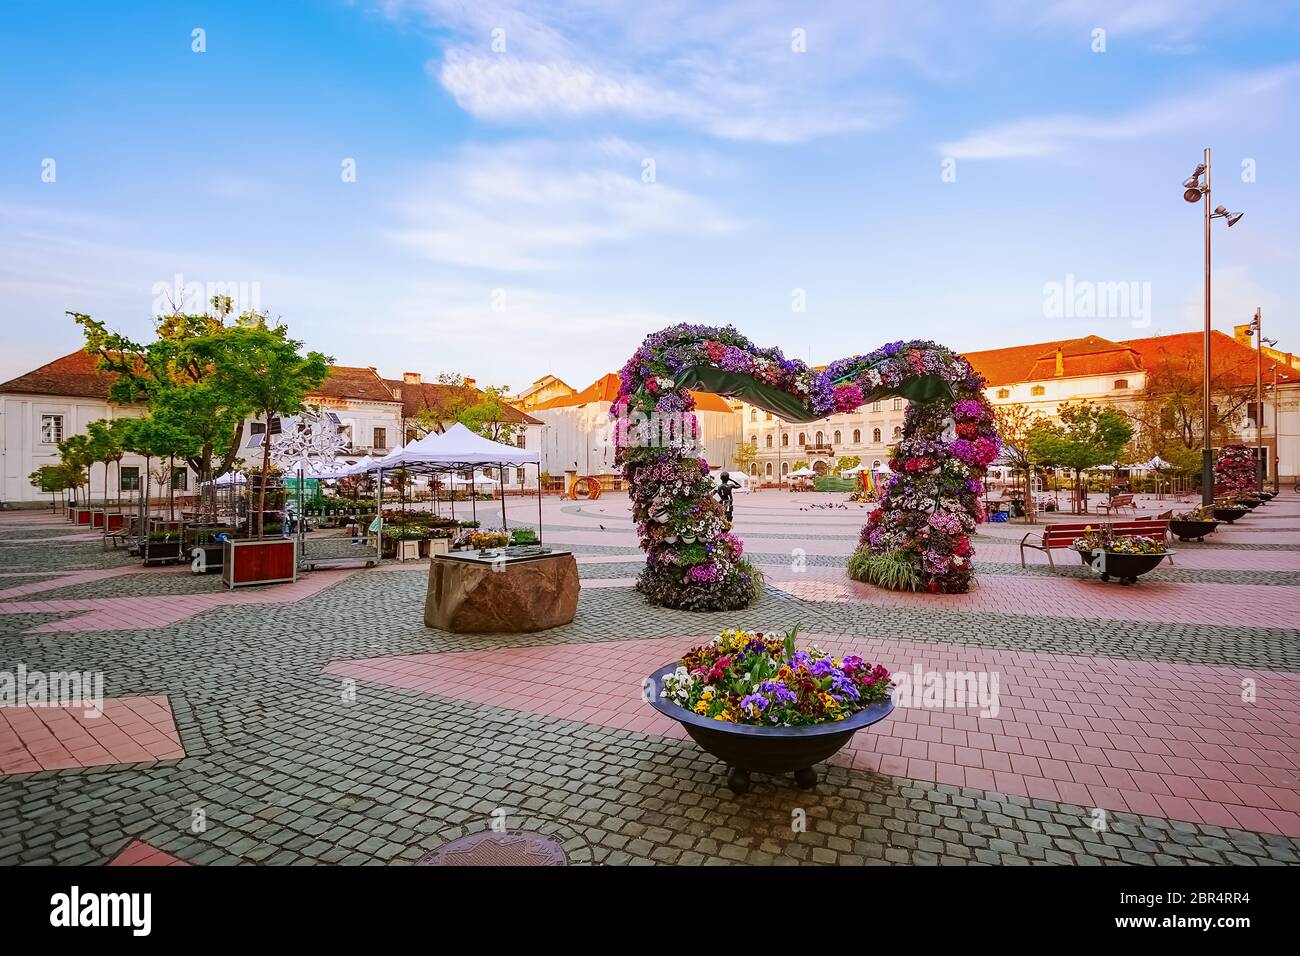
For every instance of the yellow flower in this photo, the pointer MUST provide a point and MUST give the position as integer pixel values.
(707, 695)
(725, 716)
(702, 707)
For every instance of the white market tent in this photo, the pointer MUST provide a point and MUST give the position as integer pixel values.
(804, 472)
(459, 449)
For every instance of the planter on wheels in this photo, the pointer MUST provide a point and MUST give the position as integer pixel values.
(253, 561)
(748, 748)
(1191, 530)
(1228, 514)
(1123, 567)
(165, 551)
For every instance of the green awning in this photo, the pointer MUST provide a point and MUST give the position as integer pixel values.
(706, 378)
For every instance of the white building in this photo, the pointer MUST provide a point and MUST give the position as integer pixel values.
(577, 434)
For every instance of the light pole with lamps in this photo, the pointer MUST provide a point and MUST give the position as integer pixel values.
(1194, 190)
(1260, 460)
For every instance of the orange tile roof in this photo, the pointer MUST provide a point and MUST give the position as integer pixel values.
(1093, 355)
(606, 388)
(439, 399)
(347, 381)
(73, 375)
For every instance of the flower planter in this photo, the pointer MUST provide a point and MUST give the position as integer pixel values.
(1125, 568)
(1228, 514)
(161, 552)
(746, 748)
(250, 561)
(207, 558)
(1191, 530)
(1251, 503)
(115, 521)
(1267, 495)
(97, 518)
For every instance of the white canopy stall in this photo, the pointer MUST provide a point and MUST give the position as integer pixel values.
(459, 449)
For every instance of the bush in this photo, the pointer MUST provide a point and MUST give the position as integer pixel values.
(893, 570)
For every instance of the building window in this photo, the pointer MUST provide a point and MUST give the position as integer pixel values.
(875, 406)
(753, 414)
(819, 441)
(898, 404)
(519, 476)
(875, 464)
(857, 436)
(410, 435)
(1038, 390)
(180, 479)
(1121, 383)
(785, 439)
(129, 478)
(381, 438)
(785, 468)
(51, 429)
(520, 436)
(803, 439)
(837, 436)
(1004, 393)
(898, 432)
(753, 468)
(769, 441)
(768, 469)
(875, 435)
(257, 428)
(769, 416)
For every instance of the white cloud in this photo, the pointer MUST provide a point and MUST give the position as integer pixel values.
(534, 206)
(1246, 97)
(726, 69)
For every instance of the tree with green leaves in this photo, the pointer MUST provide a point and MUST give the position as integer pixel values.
(107, 444)
(1086, 436)
(746, 454)
(847, 463)
(484, 412)
(157, 437)
(75, 457)
(261, 368)
(51, 480)
(176, 374)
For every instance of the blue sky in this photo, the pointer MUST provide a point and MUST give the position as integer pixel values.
(500, 223)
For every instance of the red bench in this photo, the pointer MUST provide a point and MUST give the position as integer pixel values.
(1118, 502)
(1055, 536)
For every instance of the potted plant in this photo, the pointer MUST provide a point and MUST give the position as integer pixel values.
(1227, 509)
(486, 540)
(1116, 556)
(1193, 525)
(162, 547)
(207, 547)
(760, 703)
(523, 536)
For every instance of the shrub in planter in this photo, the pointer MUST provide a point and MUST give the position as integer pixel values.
(162, 546)
(1194, 524)
(483, 540)
(890, 569)
(523, 536)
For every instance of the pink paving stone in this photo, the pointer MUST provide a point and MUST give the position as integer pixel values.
(1197, 698)
(147, 613)
(60, 738)
(139, 853)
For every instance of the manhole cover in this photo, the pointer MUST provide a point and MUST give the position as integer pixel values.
(493, 848)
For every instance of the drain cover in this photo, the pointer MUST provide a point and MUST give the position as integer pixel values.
(493, 848)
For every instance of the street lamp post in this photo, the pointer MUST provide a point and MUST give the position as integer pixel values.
(1257, 334)
(1194, 190)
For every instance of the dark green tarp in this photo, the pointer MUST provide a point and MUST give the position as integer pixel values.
(706, 378)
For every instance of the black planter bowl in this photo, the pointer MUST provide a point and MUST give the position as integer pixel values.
(1191, 530)
(1267, 495)
(746, 748)
(1229, 514)
(1125, 568)
(1251, 503)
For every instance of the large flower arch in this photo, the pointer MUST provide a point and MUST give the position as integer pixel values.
(920, 534)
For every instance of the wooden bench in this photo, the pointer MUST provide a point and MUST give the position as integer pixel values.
(1056, 536)
(1118, 502)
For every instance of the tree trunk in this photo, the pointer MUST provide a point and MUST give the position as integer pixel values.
(171, 489)
(266, 465)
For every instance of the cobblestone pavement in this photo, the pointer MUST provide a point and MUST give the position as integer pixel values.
(287, 759)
